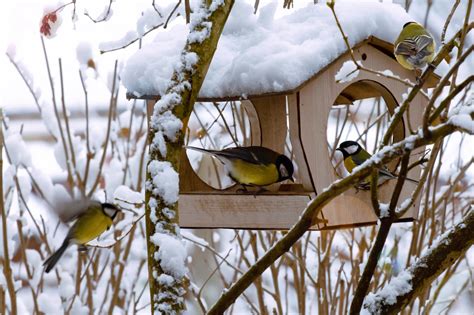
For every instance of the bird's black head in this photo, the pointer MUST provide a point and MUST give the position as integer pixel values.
(406, 24)
(285, 168)
(349, 148)
(110, 210)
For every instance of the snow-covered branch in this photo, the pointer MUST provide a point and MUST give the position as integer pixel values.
(412, 282)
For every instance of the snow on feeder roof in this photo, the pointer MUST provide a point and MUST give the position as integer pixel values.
(262, 55)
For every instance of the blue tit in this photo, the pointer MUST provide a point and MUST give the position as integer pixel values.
(253, 166)
(90, 221)
(355, 155)
(414, 47)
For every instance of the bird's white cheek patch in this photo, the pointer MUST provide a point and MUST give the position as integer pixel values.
(351, 149)
(109, 211)
(283, 171)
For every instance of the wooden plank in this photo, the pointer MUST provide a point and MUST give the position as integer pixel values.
(255, 132)
(303, 174)
(272, 118)
(149, 108)
(238, 211)
(189, 181)
(268, 211)
(356, 91)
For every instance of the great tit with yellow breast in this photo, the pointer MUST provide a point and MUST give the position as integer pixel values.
(414, 47)
(254, 165)
(92, 219)
(355, 155)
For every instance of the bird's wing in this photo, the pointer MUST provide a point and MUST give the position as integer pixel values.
(406, 47)
(254, 155)
(413, 45)
(422, 41)
(69, 211)
(361, 157)
(229, 154)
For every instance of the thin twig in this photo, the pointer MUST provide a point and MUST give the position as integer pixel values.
(112, 107)
(448, 20)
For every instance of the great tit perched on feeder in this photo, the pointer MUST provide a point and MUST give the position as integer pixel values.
(92, 219)
(253, 166)
(414, 47)
(355, 155)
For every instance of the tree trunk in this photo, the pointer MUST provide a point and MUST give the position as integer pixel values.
(166, 253)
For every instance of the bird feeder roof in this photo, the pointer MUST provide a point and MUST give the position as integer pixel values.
(262, 55)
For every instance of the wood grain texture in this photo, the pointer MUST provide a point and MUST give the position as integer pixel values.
(303, 174)
(239, 211)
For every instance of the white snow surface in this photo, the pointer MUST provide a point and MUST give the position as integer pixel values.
(384, 210)
(171, 254)
(348, 72)
(398, 286)
(165, 181)
(261, 54)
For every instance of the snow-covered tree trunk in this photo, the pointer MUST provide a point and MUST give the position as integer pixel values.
(166, 253)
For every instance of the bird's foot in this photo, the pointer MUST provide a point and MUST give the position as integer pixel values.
(82, 248)
(362, 186)
(242, 190)
(418, 74)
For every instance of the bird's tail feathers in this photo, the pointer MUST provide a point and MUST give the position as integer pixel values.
(412, 180)
(54, 258)
(199, 149)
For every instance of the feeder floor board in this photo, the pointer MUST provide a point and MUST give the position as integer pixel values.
(242, 211)
(265, 211)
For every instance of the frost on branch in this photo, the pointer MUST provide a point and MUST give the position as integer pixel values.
(411, 283)
(397, 287)
(462, 116)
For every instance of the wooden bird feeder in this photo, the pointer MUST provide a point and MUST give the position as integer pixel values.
(303, 111)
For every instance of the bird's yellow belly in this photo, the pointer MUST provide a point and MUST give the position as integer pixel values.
(255, 175)
(349, 164)
(87, 230)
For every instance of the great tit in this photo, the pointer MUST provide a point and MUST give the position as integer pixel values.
(414, 47)
(355, 155)
(254, 165)
(91, 221)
